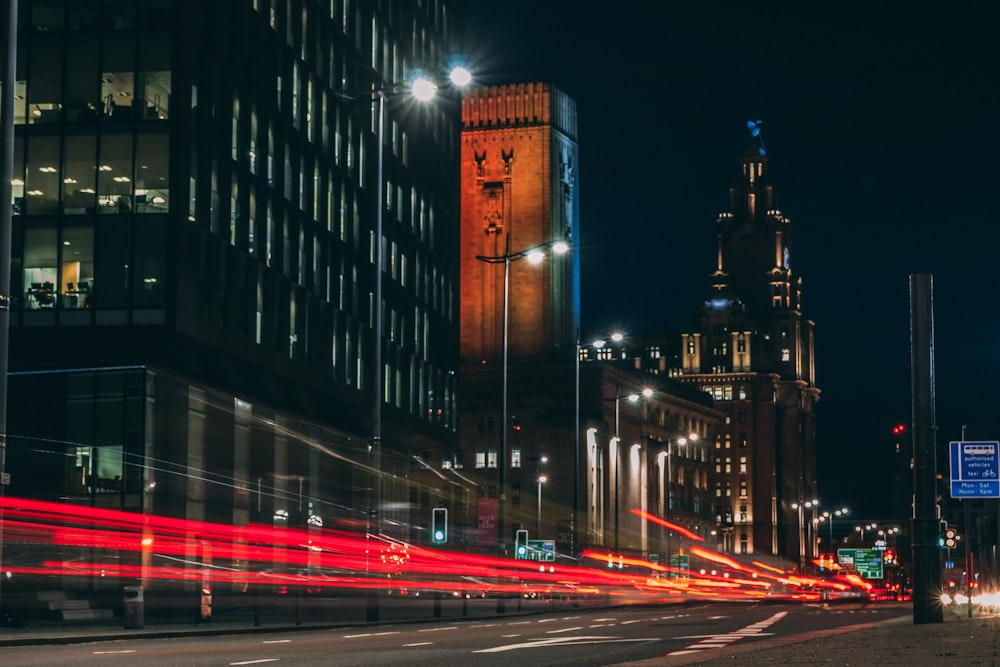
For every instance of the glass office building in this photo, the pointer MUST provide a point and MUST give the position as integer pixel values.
(194, 250)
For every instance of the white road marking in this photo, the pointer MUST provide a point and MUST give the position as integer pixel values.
(721, 640)
(563, 641)
(107, 652)
(366, 634)
(418, 644)
(450, 627)
(255, 662)
(277, 641)
(509, 636)
(552, 632)
(391, 632)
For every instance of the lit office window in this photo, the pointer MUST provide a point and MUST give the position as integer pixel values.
(515, 458)
(491, 459)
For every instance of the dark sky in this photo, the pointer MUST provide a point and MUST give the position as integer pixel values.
(882, 125)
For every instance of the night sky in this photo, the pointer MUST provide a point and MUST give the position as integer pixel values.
(882, 126)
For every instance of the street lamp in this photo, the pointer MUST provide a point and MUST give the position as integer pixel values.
(616, 441)
(422, 89)
(597, 344)
(801, 506)
(538, 520)
(535, 254)
(829, 516)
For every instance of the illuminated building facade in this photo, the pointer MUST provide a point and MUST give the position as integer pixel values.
(753, 352)
(195, 196)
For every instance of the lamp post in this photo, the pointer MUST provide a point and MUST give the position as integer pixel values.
(538, 519)
(616, 441)
(597, 344)
(6, 223)
(423, 89)
(830, 515)
(534, 254)
(801, 507)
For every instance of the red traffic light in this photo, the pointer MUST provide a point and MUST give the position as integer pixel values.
(899, 429)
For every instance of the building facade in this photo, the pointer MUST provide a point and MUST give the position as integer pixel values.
(753, 352)
(193, 323)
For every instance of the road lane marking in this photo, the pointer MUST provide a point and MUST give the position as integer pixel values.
(563, 641)
(277, 641)
(255, 662)
(389, 632)
(417, 644)
(552, 632)
(450, 627)
(108, 652)
(726, 638)
(366, 634)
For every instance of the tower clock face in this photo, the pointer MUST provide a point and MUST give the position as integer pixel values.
(788, 264)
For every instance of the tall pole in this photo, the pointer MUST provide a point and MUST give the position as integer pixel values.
(502, 472)
(375, 505)
(667, 496)
(926, 555)
(6, 211)
(573, 518)
(617, 462)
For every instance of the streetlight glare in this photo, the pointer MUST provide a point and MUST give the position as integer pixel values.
(423, 88)
(536, 256)
(617, 337)
(460, 76)
(647, 392)
(560, 248)
(542, 479)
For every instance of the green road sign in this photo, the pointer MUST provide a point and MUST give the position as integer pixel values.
(866, 563)
(541, 550)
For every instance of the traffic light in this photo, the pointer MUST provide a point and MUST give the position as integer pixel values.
(439, 525)
(950, 538)
(521, 544)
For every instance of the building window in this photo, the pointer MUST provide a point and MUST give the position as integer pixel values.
(480, 459)
(742, 416)
(743, 464)
(491, 459)
(785, 354)
(459, 463)
(744, 544)
(718, 466)
(446, 460)
(743, 488)
(743, 513)
(515, 458)
(743, 441)
(729, 489)
(729, 441)
(718, 489)
(741, 392)
(729, 464)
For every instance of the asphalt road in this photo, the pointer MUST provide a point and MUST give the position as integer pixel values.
(675, 634)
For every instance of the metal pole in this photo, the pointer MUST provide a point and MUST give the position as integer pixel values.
(6, 211)
(927, 606)
(968, 546)
(502, 473)
(667, 496)
(376, 443)
(574, 539)
(538, 517)
(617, 463)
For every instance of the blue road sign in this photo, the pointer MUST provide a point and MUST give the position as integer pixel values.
(975, 469)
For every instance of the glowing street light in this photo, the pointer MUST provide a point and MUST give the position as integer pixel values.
(535, 254)
(422, 89)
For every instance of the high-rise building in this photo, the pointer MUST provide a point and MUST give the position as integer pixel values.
(195, 197)
(753, 352)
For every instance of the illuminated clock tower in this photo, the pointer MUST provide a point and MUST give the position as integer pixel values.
(753, 351)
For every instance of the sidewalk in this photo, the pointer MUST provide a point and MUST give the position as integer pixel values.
(959, 641)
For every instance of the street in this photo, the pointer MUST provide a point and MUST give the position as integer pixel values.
(677, 634)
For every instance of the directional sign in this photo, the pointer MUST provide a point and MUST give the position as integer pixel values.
(541, 550)
(865, 563)
(975, 469)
